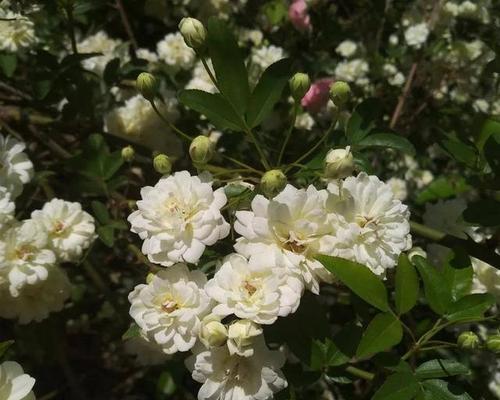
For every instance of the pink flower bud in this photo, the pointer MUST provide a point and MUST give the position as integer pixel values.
(298, 15)
(317, 95)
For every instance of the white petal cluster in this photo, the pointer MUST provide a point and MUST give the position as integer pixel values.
(372, 226)
(173, 51)
(100, 42)
(17, 32)
(263, 57)
(399, 188)
(178, 217)
(394, 77)
(7, 208)
(347, 48)
(15, 167)
(70, 229)
(416, 35)
(169, 308)
(258, 289)
(14, 383)
(355, 71)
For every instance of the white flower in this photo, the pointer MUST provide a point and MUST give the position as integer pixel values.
(468, 8)
(339, 163)
(174, 52)
(347, 48)
(15, 167)
(398, 187)
(263, 57)
(147, 55)
(446, 216)
(7, 208)
(372, 226)
(137, 122)
(146, 352)
(14, 383)
(393, 40)
(169, 308)
(231, 377)
(251, 35)
(494, 384)
(304, 121)
(100, 42)
(35, 301)
(352, 71)
(292, 224)
(178, 218)
(256, 289)
(24, 256)
(200, 79)
(452, 8)
(397, 80)
(481, 105)
(17, 32)
(241, 334)
(416, 35)
(486, 279)
(70, 230)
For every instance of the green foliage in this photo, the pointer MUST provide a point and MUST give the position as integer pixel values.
(407, 285)
(440, 368)
(399, 386)
(383, 332)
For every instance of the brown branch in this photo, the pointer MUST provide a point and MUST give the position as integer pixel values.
(126, 24)
(402, 99)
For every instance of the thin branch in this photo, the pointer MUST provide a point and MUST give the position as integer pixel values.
(126, 24)
(404, 95)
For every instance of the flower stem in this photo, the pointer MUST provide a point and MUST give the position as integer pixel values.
(169, 124)
(360, 373)
(289, 133)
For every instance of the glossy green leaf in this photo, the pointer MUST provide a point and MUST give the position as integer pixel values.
(359, 279)
(212, 106)
(363, 120)
(407, 285)
(440, 369)
(472, 306)
(435, 287)
(458, 273)
(229, 64)
(100, 212)
(483, 212)
(436, 389)
(489, 127)
(383, 332)
(268, 91)
(400, 386)
(461, 151)
(388, 140)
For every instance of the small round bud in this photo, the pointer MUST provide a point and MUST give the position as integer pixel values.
(201, 149)
(340, 93)
(162, 164)
(212, 332)
(299, 85)
(416, 251)
(468, 340)
(339, 163)
(493, 343)
(193, 32)
(147, 85)
(273, 182)
(240, 337)
(128, 153)
(149, 278)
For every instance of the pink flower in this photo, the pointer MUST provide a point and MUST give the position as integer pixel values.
(298, 15)
(317, 95)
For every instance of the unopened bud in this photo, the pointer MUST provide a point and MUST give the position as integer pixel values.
(212, 332)
(147, 85)
(162, 164)
(416, 251)
(128, 153)
(240, 337)
(150, 277)
(493, 343)
(299, 85)
(273, 182)
(193, 32)
(201, 149)
(339, 163)
(468, 340)
(340, 93)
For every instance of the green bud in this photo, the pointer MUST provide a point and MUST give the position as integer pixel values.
(149, 278)
(468, 340)
(128, 153)
(299, 85)
(340, 93)
(273, 182)
(493, 343)
(339, 163)
(193, 32)
(201, 149)
(147, 85)
(162, 164)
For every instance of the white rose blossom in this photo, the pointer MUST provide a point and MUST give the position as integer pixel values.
(15, 167)
(174, 52)
(230, 377)
(352, 71)
(347, 48)
(398, 187)
(178, 218)
(70, 230)
(256, 289)
(241, 334)
(17, 32)
(100, 42)
(294, 224)
(169, 308)
(416, 35)
(7, 208)
(372, 226)
(14, 383)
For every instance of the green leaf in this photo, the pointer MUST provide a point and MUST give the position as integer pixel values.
(400, 386)
(229, 64)
(472, 306)
(440, 369)
(8, 64)
(132, 332)
(363, 120)
(100, 212)
(407, 285)
(442, 188)
(489, 127)
(388, 140)
(436, 389)
(483, 212)
(461, 151)
(383, 332)
(165, 386)
(214, 107)
(435, 287)
(4, 346)
(492, 152)
(107, 235)
(458, 273)
(268, 91)
(359, 279)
